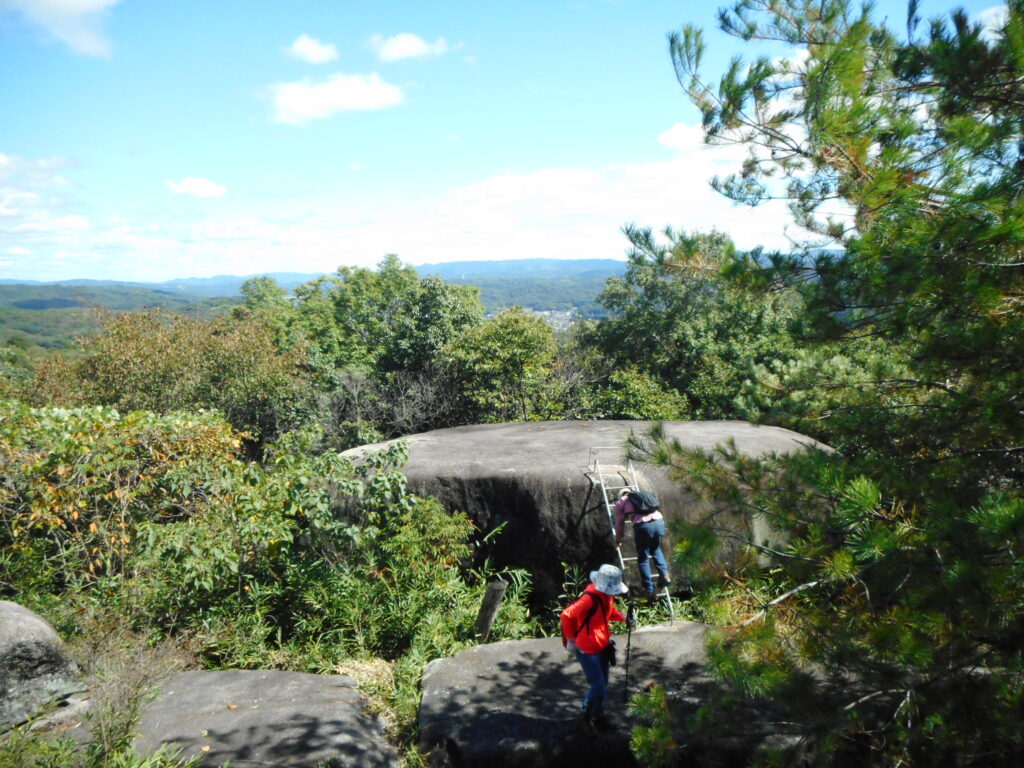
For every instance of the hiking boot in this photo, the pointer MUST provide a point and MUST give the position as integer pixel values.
(664, 580)
(602, 722)
(588, 723)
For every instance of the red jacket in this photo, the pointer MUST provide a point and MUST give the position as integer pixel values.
(593, 635)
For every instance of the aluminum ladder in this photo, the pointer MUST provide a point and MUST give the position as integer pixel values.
(611, 479)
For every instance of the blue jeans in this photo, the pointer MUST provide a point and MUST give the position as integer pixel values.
(595, 667)
(648, 546)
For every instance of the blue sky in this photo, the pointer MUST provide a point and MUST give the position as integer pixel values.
(155, 139)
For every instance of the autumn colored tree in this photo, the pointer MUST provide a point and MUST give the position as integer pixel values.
(161, 362)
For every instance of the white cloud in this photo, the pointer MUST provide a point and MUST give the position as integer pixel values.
(311, 50)
(992, 19)
(196, 187)
(78, 23)
(34, 204)
(299, 102)
(54, 224)
(406, 45)
(682, 137)
(551, 212)
(12, 203)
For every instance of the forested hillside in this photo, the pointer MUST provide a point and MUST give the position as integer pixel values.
(177, 475)
(35, 318)
(48, 316)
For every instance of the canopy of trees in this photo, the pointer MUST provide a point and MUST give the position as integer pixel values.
(890, 619)
(181, 480)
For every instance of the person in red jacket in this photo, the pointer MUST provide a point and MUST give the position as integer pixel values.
(586, 631)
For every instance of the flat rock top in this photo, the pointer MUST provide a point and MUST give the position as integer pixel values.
(265, 719)
(543, 447)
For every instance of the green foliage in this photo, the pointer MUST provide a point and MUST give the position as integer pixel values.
(652, 743)
(373, 340)
(23, 748)
(78, 483)
(632, 394)
(904, 614)
(389, 318)
(502, 368)
(364, 354)
(879, 600)
(913, 136)
(52, 317)
(160, 362)
(674, 319)
(306, 561)
(15, 370)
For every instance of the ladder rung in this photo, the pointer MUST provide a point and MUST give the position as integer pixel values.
(628, 559)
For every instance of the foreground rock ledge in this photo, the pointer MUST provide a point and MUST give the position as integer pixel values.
(531, 478)
(265, 719)
(513, 704)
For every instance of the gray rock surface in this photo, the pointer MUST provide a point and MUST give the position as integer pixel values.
(514, 704)
(35, 669)
(269, 719)
(531, 478)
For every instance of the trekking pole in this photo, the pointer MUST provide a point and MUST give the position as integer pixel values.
(630, 621)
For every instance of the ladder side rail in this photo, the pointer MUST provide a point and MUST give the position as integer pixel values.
(632, 483)
(608, 512)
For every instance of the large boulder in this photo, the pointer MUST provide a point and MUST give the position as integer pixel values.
(265, 719)
(35, 669)
(514, 704)
(535, 480)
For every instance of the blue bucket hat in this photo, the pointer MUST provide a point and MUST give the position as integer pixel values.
(608, 579)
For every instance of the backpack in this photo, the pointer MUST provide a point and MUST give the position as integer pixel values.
(644, 502)
(596, 603)
(608, 652)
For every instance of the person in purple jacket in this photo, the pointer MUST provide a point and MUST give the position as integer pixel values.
(648, 530)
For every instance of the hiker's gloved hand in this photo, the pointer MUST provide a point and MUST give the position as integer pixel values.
(631, 621)
(570, 646)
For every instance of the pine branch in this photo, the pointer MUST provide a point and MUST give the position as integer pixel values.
(781, 598)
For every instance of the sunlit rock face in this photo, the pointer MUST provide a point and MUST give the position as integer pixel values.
(534, 481)
(265, 717)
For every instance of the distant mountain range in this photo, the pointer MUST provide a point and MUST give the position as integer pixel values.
(455, 271)
(51, 314)
(520, 268)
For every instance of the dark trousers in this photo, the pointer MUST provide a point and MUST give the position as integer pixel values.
(648, 547)
(595, 667)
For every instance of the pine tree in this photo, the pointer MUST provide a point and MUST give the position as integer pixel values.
(891, 618)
